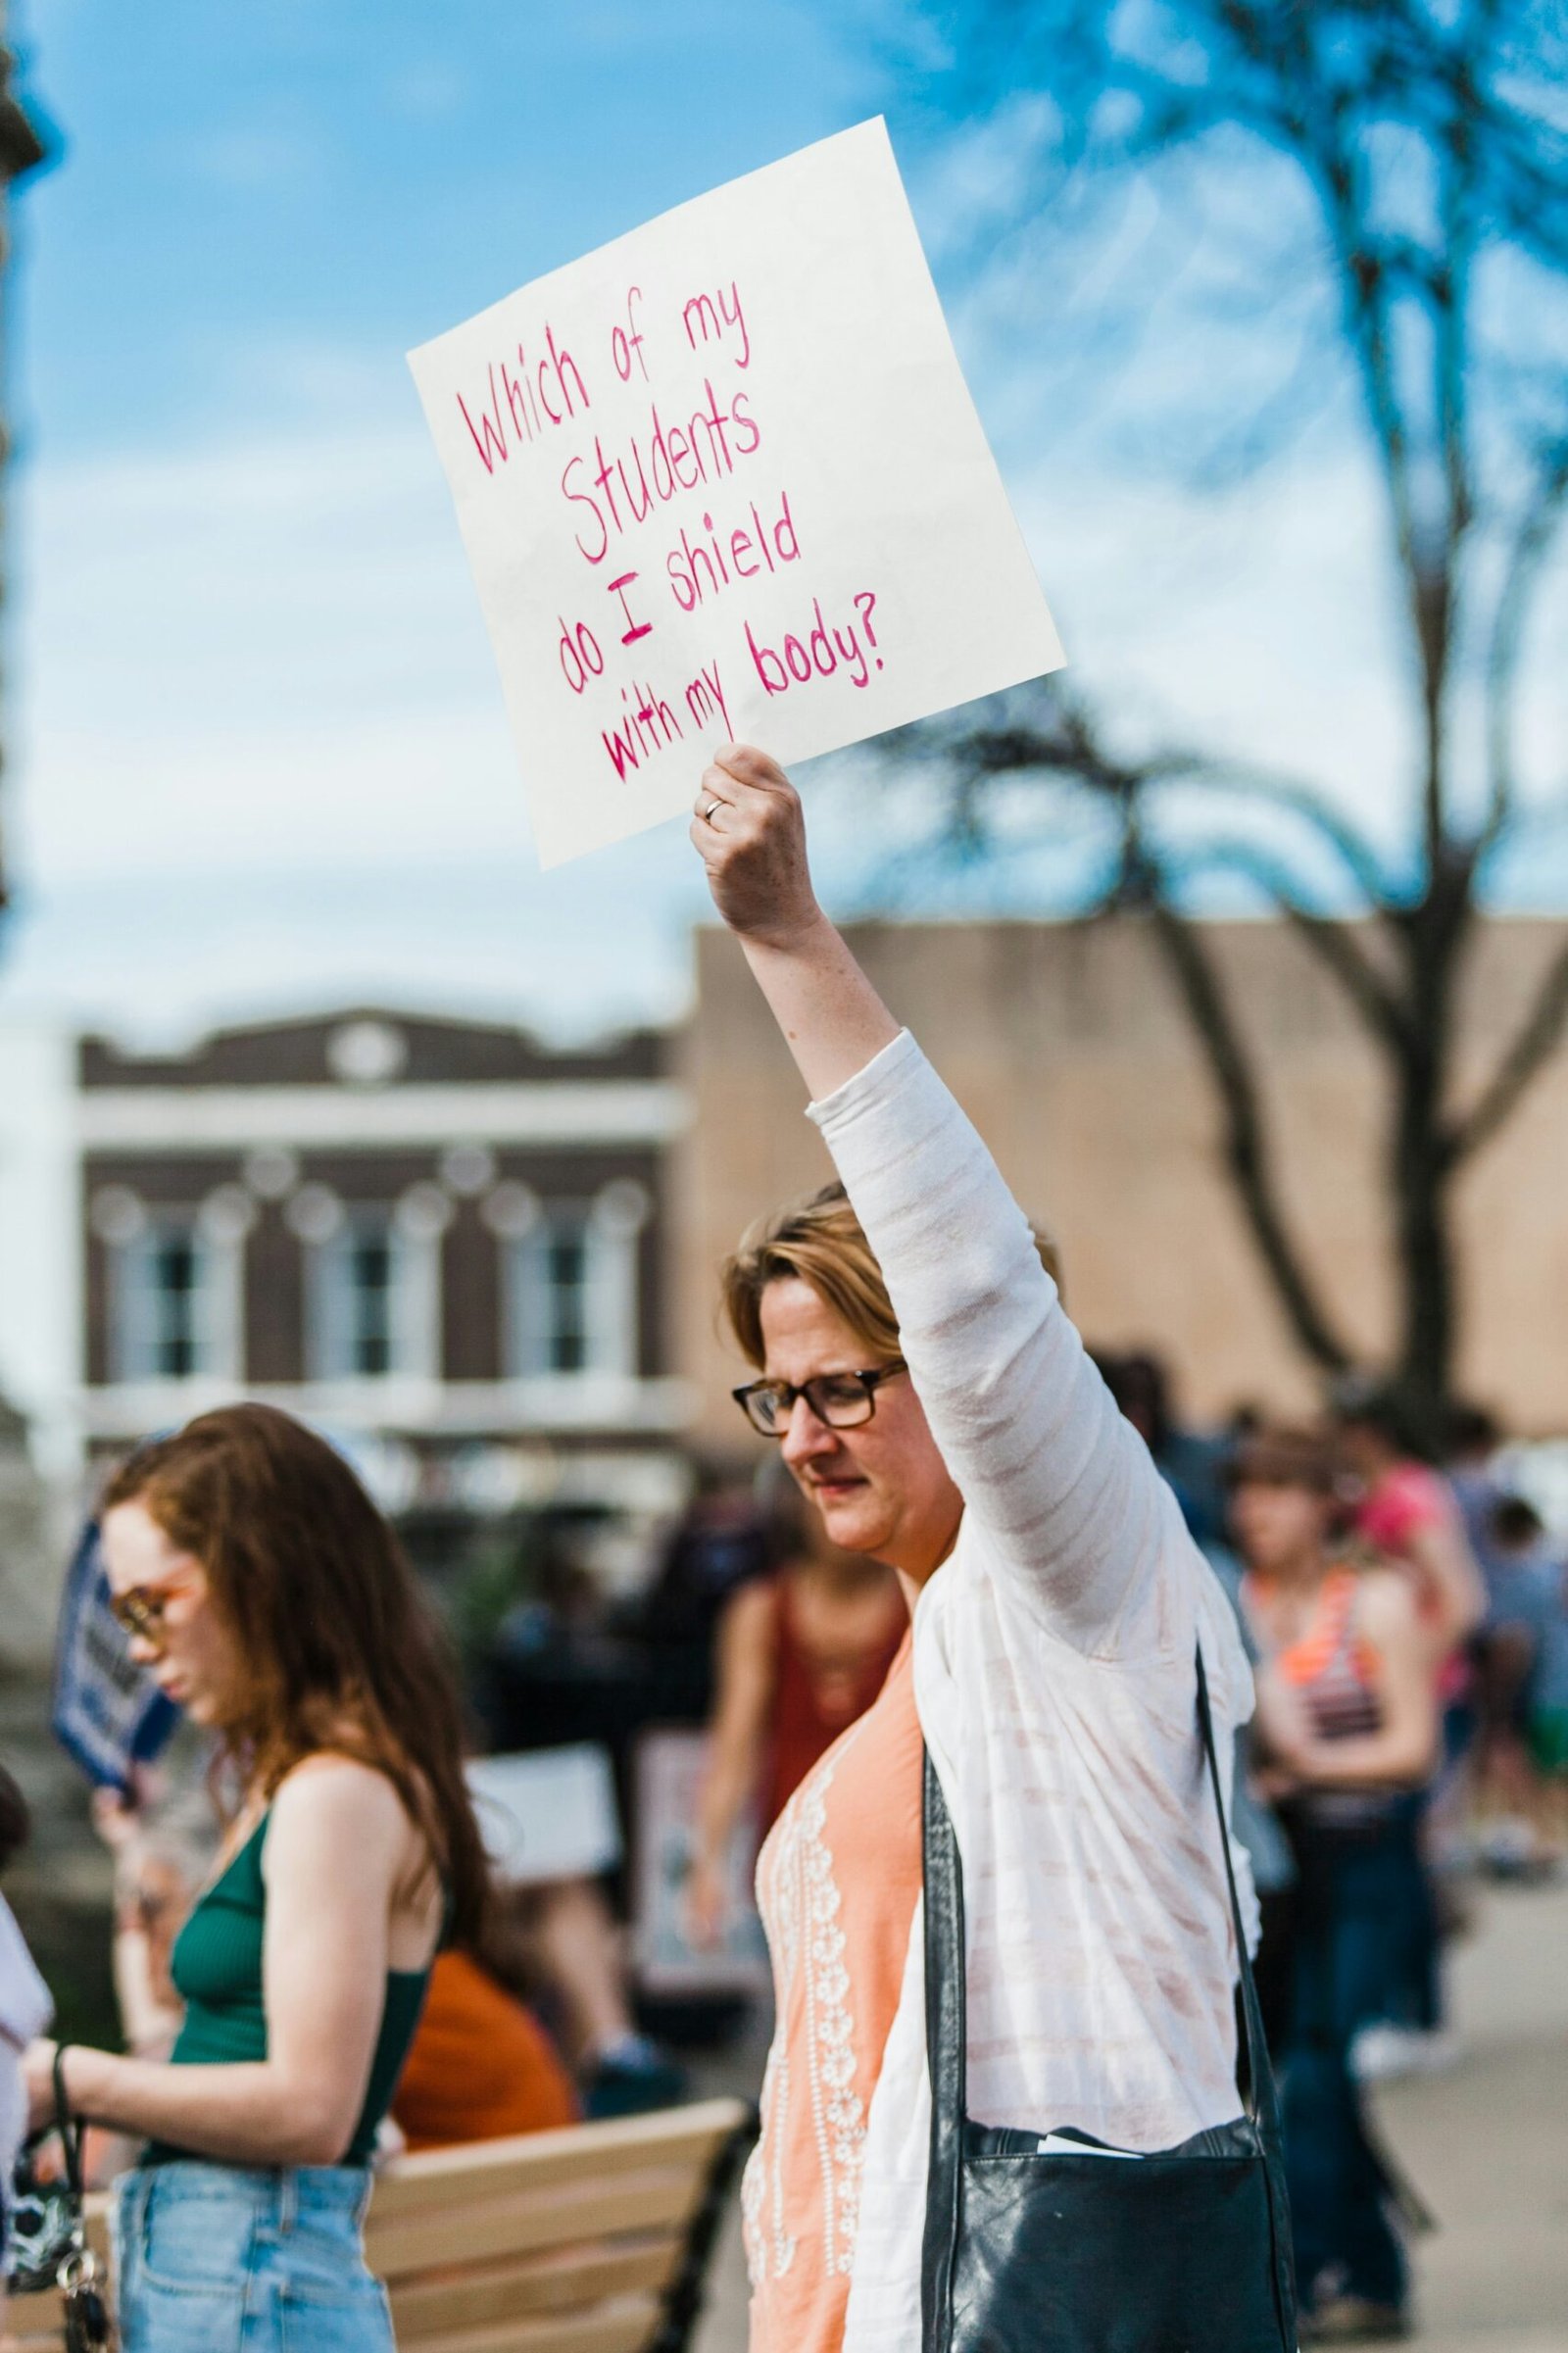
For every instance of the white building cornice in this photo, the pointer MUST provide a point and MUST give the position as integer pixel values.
(585, 1403)
(563, 1112)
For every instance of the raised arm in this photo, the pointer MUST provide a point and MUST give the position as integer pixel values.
(1024, 1422)
(1439, 1551)
(744, 1657)
(751, 837)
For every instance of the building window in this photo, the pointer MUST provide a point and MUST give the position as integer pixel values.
(573, 1285)
(375, 1290)
(354, 1302)
(165, 1319)
(556, 1271)
(363, 1278)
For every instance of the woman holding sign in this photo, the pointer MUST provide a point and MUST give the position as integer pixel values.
(1025, 2132)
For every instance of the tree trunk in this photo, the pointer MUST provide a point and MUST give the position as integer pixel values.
(1245, 1137)
(1420, 1165)
(1419, 1186)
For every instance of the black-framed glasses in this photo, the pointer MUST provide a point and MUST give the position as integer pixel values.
(843, 1400)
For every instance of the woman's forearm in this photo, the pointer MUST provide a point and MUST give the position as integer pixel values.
(1445, 1558)
(749, 830)
(1369, 1760)
(745, 1665)
(832, 1018)
(730, 1781)
(246, 2114)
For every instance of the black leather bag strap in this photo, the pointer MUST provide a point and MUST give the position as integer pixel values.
(71, 2132)
(947, 2055)
(945, 1992)
(1262, 2097)
(947, 2058)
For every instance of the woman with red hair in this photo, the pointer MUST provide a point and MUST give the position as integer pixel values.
(266, 1593)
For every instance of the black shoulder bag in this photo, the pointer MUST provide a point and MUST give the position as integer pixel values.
(49, 2230)
(1032, 2250)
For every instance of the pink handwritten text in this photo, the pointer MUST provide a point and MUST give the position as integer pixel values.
(821, 652)
(646, 725)
(698, 571)
(634, 627)
(622, 489)
(626, 342)
(580, 656)
(705, 696)
(713, 318)
(521, 402)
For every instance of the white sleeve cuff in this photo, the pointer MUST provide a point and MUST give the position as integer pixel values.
(880, 1078)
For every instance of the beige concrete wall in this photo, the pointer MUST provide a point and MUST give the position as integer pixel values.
(1066, 1047)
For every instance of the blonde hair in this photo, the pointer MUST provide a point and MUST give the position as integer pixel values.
(821, 1242)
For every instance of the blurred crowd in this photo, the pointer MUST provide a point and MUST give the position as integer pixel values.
(1407, 1618)
(1409, 1623)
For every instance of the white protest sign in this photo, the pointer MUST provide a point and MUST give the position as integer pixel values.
(723, 479)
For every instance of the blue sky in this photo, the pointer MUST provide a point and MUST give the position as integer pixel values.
(251, 195)
(259, 755)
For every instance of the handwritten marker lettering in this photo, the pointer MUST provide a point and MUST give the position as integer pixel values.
(626, 342)
(634, 629)
(705, 698)
(662, 464)
(696, 571)
(580, 656)
(820, 653)
(524, 400)
(714, 320)
(648, 725)
(745, 424)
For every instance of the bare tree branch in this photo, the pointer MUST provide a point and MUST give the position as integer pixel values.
(1046, 730)
(1335, 946)
(1432, 144)
(1540, 1034)
(1246, 1150)
(1426, 583)
(1532, 537)
(1354, 853)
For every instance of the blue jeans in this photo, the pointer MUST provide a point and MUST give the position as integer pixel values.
(219, 2259)
(1358, 1904)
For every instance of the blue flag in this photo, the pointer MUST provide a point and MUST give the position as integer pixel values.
(109, 1713)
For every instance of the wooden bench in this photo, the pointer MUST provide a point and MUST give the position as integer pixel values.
(589, 2240)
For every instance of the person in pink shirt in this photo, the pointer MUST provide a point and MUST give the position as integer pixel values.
(1409, 1513)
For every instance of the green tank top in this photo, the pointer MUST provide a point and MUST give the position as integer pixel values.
(216, 1969)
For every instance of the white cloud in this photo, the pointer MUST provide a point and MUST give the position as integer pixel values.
(245, 156)
(435, 91)
(271, 646)
(262, 752)
(1116, 334)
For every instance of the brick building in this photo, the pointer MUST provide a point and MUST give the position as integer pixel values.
(497, 1262)
(434, 1232)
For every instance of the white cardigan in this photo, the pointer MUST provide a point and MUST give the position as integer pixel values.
(1055, 1682)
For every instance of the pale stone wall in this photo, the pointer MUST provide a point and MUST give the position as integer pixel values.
(40, 1225)
(1066, 1046)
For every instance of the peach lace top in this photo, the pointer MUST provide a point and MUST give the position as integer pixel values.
(855, 1821)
